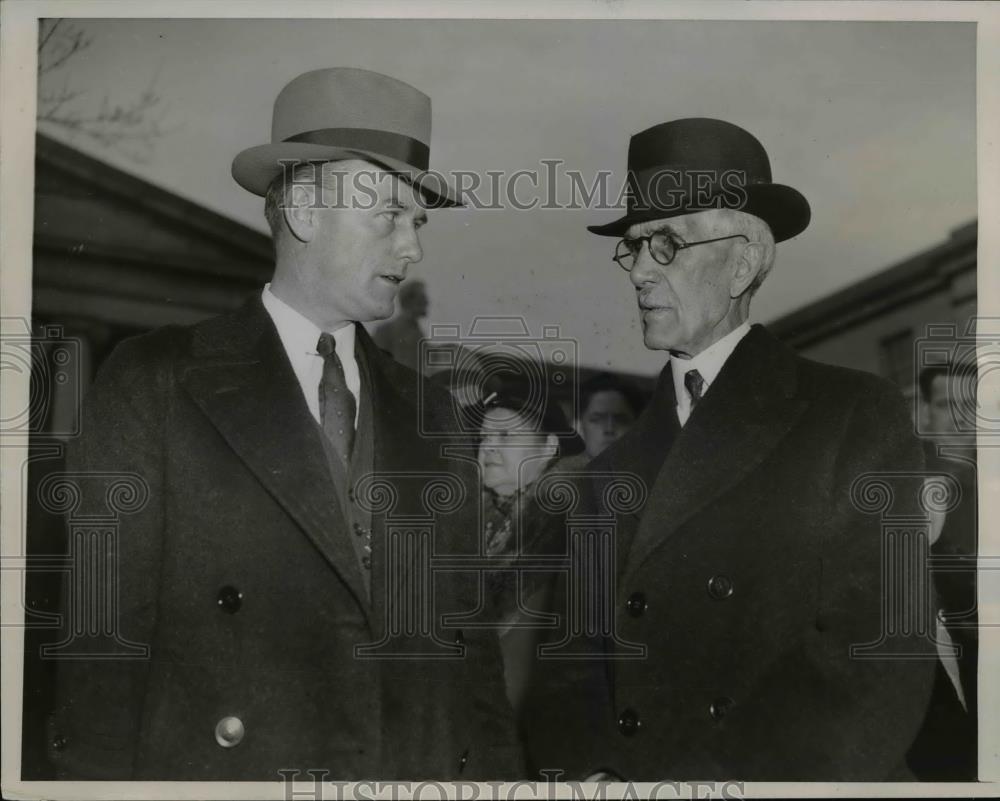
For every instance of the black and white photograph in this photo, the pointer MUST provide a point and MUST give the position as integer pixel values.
(571, 400)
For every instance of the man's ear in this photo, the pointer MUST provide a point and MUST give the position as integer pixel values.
(552, 444)
(746, 269)
(300, 213)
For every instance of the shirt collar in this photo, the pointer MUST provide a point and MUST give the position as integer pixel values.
(709, 362)
(299, 334)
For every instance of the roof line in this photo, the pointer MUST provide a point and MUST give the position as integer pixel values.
(151, 197)
(919, 273)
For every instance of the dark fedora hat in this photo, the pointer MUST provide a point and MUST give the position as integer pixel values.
(697, 164)
(347, 113)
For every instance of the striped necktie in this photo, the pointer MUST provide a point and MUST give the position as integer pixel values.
(695, 385)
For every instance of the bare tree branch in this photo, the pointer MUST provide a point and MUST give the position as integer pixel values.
(55, 50)
(46, 28)
(137, 123)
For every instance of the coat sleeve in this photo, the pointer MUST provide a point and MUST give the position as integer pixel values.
(829, 710)
(114, 471)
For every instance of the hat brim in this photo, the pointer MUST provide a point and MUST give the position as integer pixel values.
(783, 208)
(255, 168)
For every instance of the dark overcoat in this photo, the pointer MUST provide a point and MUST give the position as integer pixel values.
(747, 576)
(240, 575)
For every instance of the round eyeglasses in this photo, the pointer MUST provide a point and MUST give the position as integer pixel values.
(663, 247)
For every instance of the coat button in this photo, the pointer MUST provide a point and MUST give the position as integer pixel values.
(229, 732)
(230, 599)
(58, 743)
(720, 587)
(720, 707)
(636, 604)
(628, 722)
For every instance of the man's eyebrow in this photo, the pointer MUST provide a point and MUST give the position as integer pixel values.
(395, 202)
(647, 229)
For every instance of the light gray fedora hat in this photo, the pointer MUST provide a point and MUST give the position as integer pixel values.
(348, 113)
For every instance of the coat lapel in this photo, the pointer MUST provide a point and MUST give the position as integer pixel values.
(397, 441)
(742, 417)
(400, 453)
(244, 384)
(640, 452)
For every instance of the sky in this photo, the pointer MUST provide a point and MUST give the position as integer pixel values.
(874, 122)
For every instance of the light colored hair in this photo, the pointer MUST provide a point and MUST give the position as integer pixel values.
(756, 230)
(731, 221)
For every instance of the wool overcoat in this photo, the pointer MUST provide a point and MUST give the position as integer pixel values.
(239, 575)
(756, 636)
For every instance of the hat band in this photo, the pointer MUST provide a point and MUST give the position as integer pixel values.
(386, 143)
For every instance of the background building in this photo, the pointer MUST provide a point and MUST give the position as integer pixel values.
(873, 325)
(115, 256)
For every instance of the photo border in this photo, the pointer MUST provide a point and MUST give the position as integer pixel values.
(18, 60)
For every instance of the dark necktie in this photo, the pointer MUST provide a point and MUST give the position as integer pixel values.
(337, 406)
(695, 385)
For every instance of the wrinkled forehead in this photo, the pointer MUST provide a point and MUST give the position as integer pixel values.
(685, 226)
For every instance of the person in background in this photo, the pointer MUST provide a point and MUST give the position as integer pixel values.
(401, 335)
(521, 440)
(608, 407)
(946, 746)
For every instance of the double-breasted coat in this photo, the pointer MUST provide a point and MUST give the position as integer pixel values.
(747, 576)
(240, 575)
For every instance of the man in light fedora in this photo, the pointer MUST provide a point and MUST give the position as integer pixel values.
(278, 445)
(752, 577)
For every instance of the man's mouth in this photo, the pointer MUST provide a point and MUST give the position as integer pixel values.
(646, 304)
(395, 280)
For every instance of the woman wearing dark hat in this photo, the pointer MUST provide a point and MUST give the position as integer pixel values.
(521, 440)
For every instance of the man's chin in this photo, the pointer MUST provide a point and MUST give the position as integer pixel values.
(656, 341)
(379, 313)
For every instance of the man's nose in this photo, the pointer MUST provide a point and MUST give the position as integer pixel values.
(645, 270)
(408, 248)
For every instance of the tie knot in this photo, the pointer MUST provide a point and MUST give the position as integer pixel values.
(694, 384)
(327, 345)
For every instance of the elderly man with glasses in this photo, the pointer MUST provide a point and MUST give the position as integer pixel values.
(751, 632)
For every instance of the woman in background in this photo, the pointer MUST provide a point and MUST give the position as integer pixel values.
(521, 440)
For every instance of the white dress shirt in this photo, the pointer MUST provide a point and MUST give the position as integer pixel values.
(299, 336)
(708, 363)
